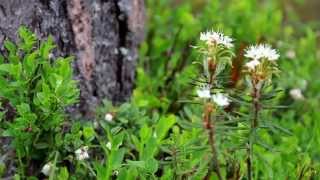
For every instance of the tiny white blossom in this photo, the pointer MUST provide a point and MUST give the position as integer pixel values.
(115, 173)
(221, 100)
(108, 117)
(252, 64)
(216, 37)
(109, 145)
(124, 51)
(46, 169)
(82, 153)
(51, 56)
(204, 92)
(95, 124)
(257, 52)
(291, 54)
(296, 94)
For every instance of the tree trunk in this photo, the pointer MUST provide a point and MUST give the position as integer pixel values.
(102, 35)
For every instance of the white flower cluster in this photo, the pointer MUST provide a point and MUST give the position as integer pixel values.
(82, 153)
(218, 98)
(216, 37)
(259, 52)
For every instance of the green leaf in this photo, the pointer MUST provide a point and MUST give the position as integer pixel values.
(149, 149)
(28, 39)
(145, 133)
(64, 67)
(151, 165)
(101, 171)
(138, 164)
(30, 64)
(168, 174)
(23, 109)
(128, 174)
(16, 177)
(11, 47)
(282, 129)
(136, 142)
(163, 126)
(46, 47)
(2, 168)
(58, 139)
(117, 158)
(5, 68)
(1, 59)
(116, 130)
(41, 145)
(6, 133)
(117, 140)
(88, 133)
(63, 174)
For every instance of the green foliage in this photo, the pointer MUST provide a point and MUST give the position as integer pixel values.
(160, 134)
(38, 89)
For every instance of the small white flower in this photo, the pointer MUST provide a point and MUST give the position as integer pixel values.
(115, 173)
(291, 54)
(204, 92)
(124, 51)
(216, 37)
(95, 125)
(51, 56)
(46, 169)
(109, 145)
(252, 64)
(82, 153)
(221, 100)
(108, 117)
(257, 52)
(296, 94)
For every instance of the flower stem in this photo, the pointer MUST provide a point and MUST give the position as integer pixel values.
(253, 126)
(250, 160)
(21, 165)
(210, 126)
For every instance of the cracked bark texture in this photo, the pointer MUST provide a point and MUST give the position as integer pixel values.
(103, 35)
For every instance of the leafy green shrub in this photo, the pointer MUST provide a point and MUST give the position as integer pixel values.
(38, 88)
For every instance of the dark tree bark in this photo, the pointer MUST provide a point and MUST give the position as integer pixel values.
(103, 35)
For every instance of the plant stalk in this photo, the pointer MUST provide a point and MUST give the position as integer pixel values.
(253, 126)
(210, 126)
